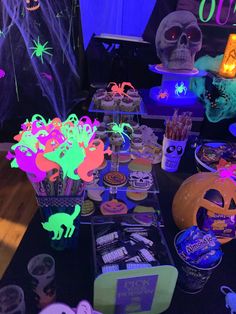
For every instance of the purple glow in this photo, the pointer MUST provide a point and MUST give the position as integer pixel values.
(2, 73)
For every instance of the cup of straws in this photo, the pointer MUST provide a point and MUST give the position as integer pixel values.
(175, 139)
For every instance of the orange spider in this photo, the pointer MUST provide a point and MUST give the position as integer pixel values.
(119, 88)
(163, 95)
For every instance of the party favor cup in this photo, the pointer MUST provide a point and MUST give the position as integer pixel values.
(42, 275)
(191, 279)
(172, 153)
(12, 300)
(61, 220)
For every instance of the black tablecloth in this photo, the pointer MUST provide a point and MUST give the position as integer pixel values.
(74, 270)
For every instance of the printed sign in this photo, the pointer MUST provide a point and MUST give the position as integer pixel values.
(135, 294)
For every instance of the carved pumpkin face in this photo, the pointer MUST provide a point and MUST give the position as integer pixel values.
(203, 190)
(32, 5)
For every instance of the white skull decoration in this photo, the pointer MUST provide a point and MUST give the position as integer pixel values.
(172, 153)
(141, 180)
(178, 39)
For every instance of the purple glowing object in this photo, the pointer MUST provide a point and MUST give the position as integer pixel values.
(2, 73)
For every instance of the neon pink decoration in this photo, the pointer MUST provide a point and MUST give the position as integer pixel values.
(2, 73)
(226, 170)
(94, 158)
(47, 76)
(119, 88)
(44, 147)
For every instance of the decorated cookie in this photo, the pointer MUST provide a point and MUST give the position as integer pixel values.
(116, 139)
(114, 178)
(152, 153)
(136, 196)
(141, 180)
(87, 208)
(113, 207)
(140, 164)
(144, 209)
(95, 192)
(123, 158)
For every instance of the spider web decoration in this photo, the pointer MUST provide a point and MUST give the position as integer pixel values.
(221, 105)
(57, 92)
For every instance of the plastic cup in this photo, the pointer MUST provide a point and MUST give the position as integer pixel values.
(172, 153)
(42, 272)
(12, 300)
(191, 279)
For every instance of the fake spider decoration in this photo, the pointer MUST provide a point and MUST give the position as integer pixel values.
(119, 129)
(119, 88)
(40, 49)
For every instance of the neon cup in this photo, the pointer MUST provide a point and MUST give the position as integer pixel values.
(12, 300)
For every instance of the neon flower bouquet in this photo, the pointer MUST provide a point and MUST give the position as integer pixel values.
(59, 158)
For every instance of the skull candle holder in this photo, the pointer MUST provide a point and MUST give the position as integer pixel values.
(178, 39)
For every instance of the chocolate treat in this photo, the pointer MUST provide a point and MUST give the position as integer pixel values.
(116, 255)
(209, 259)
(139, 238)
(107, 239)
(137, 265)
(109, 268)
(146, 255)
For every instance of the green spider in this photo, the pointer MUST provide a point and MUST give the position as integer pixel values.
(40, 49)
(119, 128)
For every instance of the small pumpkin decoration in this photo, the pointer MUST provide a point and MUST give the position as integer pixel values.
(207, 193)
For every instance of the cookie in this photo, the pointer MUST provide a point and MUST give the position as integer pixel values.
(87, 208)
(144, 209)
(113, 207)
(123, 158)
(103, 165)
(114, 178)
(95, 191)
(152, 153)
(140, 164)
(140, 180)
(136, 196)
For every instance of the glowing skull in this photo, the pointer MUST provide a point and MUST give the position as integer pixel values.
(178, 39)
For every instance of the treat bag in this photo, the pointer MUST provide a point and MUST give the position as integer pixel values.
(42, 276)
(172, 153)
(12, 300)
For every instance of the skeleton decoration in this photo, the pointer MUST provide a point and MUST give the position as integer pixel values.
(141, 180)
(172, 153)
(178, 39)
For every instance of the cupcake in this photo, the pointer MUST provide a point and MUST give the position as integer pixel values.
(116, 139)
(132, 92)
(137, 100)
(137, 134)
(101, 90)
(107, 103)
(127, 104)
(101, 131)
(117, 98)
(136, 143)
(134, 125)
(97, 98)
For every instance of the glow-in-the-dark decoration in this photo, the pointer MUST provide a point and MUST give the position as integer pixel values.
(56, 221)
(32, 5)
(230, 298)
(119, 129)
(119, 88)
(180, 89)
(226, 170)
(2, 73)
(228, 65)
(50, 146)
(222, 105)
(40, 49)
(163, 94)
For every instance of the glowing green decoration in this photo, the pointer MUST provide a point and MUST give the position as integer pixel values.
(40, 49)
(119, 128)
(223, 105)
(56, 221)
(201, 10)
(180, 89)
(69, 156)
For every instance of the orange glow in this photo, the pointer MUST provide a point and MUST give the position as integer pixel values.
(228, 65)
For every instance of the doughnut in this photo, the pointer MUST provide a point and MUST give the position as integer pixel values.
(114, 178)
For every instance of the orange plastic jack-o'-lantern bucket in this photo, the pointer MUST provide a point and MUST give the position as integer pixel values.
(208, 201)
